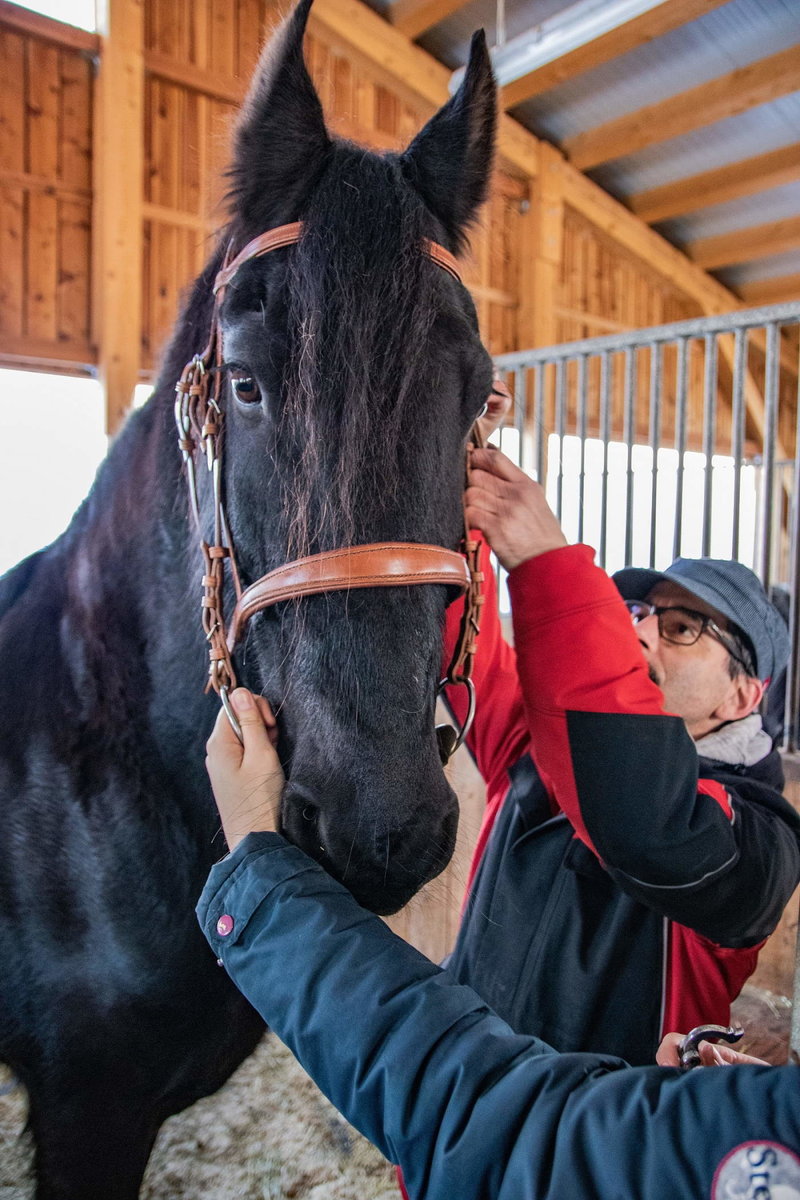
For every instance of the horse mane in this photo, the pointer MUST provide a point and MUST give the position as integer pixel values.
(361, 305)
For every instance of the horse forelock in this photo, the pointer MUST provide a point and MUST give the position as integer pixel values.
(360, 312)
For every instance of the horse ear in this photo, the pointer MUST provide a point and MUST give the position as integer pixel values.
(450, 161)
(281, 137)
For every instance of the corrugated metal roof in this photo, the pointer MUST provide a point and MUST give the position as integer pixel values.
(732, 36)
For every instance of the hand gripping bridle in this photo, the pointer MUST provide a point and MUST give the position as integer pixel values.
(199, 418)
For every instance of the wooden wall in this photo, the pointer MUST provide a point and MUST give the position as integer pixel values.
(147, 139)
(45, 192)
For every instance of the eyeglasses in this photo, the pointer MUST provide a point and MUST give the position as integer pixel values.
(684, 627)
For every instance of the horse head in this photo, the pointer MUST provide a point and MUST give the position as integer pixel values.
(352, 370)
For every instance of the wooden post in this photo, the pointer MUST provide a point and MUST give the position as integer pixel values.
(118, 185)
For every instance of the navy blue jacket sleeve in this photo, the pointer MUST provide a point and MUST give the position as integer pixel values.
(445, 1088)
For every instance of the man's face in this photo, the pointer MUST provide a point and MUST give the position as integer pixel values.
(694, 679)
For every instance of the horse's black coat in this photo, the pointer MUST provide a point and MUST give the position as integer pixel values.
(367, 371)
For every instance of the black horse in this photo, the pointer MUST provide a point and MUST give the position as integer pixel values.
(353, 370)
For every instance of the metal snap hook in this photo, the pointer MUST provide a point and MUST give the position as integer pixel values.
(450, 737)
(230, 714)
(688, 1049)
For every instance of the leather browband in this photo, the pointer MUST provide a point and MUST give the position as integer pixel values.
(386, 564)
(288, 235)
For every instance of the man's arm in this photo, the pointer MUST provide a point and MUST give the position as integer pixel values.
(441, 1084)
(624, 772)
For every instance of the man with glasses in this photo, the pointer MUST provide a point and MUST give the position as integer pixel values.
(636, 850)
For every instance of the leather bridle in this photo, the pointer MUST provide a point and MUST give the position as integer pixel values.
(199, 418)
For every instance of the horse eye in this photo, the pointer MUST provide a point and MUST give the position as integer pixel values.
(246, 389)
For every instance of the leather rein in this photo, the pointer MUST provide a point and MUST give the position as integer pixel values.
(199, 419)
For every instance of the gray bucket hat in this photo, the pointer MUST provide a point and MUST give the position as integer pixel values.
(734, 591)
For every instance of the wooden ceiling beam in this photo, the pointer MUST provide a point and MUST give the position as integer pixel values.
(414, 17)
(727, 96)
(743, 245)
(771, 291)
(669, 15)
(743, 178)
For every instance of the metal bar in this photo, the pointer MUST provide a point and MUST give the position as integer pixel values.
(605, 433)
(709, 434)
(791, 725)
(768, 470)
(698, 327)
(737, 434)
(520, 406)
(681, 391)
(629, 433)
(582, 435)
(561, 413)
(538, 423)
(656, 363)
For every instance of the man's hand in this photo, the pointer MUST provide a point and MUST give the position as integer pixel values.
(711, 1054)
(510, 509)
(247, 780)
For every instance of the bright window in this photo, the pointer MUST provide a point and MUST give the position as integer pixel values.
(53, 439)
(71, 12)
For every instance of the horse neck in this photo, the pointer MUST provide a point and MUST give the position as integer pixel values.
(127, 562)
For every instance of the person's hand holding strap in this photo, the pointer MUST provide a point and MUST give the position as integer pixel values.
(510, 509)
(247, 780)
(711, 1054)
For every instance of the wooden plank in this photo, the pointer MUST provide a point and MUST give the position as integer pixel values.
(726, 96)
(73, 285)
(229, 89)
(41, 266)
(743, 245)
(191, 132)
(638, 31)
(250, 36)
(118, 177)
(608, 215)
(12, 102)
(770, 291)
(42, 109)
(173, 216)
(76, 121)
(13, 16)
(45, 355)
(413, 17)
(223, 38)
(12, 257)
(742, 178)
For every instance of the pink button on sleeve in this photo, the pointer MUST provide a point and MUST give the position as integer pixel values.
(225, 925)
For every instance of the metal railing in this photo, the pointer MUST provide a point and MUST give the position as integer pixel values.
(678, 439)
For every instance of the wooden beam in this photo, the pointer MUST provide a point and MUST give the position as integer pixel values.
(743, 245)
(230, 90)
(771, 291)
(69, 358)
(638, 31)
(413, 17)
(22, 20)
(743, 178)
(726, 96)
(119, 171)
(354, 25)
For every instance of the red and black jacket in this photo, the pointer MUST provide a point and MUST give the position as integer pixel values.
(621, 885)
